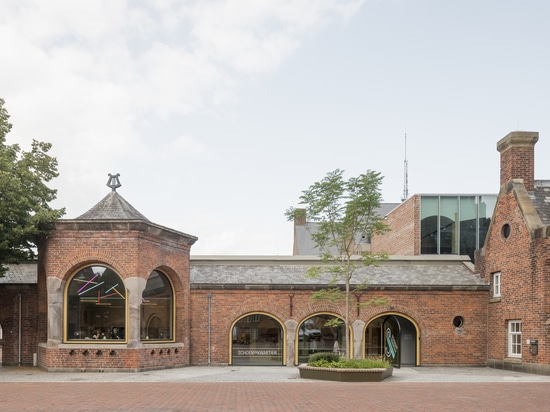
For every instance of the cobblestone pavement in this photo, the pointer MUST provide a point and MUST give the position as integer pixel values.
(271, 389)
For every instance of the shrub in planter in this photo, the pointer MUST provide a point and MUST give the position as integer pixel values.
(329, 366)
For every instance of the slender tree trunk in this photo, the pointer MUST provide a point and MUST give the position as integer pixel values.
(348, 343)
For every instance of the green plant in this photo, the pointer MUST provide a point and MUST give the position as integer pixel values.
(342, 212)
(323, 356)
(368, 363)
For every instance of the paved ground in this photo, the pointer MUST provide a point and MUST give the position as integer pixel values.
(271, 389)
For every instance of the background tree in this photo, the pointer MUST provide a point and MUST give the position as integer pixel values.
(344, 211)
(25, 216)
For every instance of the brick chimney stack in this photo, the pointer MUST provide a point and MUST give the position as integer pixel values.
(517, 158)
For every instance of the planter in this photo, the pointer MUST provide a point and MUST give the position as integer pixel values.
(345, 375)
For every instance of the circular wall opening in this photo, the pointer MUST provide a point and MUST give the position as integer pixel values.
(458, 321)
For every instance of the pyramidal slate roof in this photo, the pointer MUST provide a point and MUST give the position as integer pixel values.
(113, 207)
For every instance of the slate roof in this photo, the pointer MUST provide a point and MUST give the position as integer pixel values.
(23, 273)
(409, 272)
(115, 207)
(541, 200)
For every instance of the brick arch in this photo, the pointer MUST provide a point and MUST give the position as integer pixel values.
(318, 307)
(175, 279)
(245, 310)
(86, 257)
(376, 312)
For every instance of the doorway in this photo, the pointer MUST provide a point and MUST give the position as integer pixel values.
(395, 337)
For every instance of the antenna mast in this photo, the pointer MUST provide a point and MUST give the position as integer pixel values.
(406, 172)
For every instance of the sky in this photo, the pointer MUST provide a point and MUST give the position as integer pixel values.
(217, 114)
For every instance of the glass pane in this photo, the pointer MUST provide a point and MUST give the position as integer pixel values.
(314, 336)
(468, 225)
(257, 340)
(157, 308)
(486, 208)
(373, 339)
(448, 243)
(96, 305)
(429, 212)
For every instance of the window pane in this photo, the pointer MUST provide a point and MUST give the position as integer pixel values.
(314, 336)
(486, 208)
(448, 225)
(157, 308)
(429, 212)
(96, 305)
(514, 338)
(468, 225)
(257, 340)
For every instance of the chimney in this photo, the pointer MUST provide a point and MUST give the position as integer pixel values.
(517, 158)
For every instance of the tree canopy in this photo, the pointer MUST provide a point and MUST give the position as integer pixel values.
(342, 212)
(25, 214)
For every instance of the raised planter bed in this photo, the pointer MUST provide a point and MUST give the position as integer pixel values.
(345, 375)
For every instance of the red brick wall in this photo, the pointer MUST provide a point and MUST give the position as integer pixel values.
(433, 311)
(524, 264)
(9, 319)
(132, 251)
(404, 238)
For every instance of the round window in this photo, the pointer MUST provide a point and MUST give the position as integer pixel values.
(458, 321)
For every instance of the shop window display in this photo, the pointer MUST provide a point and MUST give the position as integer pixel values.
(96, 305)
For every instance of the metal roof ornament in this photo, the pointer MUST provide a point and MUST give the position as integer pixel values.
(113, 181)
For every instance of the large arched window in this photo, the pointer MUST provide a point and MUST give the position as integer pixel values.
(315, 336)
(157, 308)
(257, 339)
(96, 305)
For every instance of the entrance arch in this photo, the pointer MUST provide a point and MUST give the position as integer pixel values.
(395, 336)
(313, 335)
(257, 339)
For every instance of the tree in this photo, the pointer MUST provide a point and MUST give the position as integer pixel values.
(344, 211)
(25, 216)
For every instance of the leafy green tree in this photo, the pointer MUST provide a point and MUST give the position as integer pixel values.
(25, 216)
(342, 212)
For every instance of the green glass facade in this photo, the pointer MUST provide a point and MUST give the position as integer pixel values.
(454, 224)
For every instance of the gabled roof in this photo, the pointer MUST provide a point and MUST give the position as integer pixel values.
(115, 207)
(541, 200)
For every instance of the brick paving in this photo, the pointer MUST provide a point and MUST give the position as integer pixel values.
(274, 396)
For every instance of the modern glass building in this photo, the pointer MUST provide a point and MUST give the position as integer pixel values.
(454, 224)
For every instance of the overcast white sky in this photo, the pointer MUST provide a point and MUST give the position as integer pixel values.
(217, 114)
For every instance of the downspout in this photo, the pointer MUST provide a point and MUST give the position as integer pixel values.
(209, 296)
(20, 321)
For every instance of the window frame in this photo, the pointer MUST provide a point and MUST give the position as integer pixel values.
(497, 283)
(114, 333)
(515, 339)
(144, 322)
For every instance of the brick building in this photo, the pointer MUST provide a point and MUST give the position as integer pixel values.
(515, 260)
(115, 291)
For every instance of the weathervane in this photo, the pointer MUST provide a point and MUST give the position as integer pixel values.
(113, 181)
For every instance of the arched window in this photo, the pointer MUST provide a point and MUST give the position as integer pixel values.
(257, 339)
(315, 336)
(96, 305)
(157, 308)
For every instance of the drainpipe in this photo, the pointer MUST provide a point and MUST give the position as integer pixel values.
(20, 321)
(209, 296)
